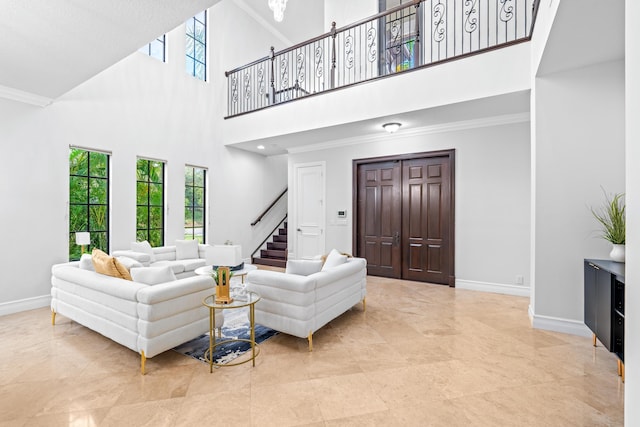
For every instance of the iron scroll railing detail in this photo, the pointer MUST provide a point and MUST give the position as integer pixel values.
(413, 35)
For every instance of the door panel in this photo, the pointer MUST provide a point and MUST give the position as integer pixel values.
(425, 219)
(310, 211)
(379, 217)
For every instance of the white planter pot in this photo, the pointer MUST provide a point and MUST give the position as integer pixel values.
(617, 253)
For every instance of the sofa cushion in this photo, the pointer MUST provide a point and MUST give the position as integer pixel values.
(129, 263)
(144, 247)
(108, 265)
(334, 259)
(303, 267)
(153, 275)
(192, 264)
(86, 262)
(176, 266)
(186, 249)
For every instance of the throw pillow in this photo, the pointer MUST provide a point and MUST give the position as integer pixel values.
(129, 263)
(153, 275)
(108, 265)
(334, 259)
(187, 249)
(145, 248)
(86, 262)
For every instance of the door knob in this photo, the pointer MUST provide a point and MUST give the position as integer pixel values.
(299, 229)
(396, 238)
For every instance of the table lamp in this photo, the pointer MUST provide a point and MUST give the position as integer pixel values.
(224, 256)
(83, 238)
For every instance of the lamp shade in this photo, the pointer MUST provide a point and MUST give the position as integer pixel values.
(224, 255)
(83, 238)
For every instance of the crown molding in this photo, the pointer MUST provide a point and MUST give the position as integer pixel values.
(419, 131)
(260, 20)
(24, 97)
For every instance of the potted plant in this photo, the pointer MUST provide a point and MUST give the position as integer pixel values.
(611, 215)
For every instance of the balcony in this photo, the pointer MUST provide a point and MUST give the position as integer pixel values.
(409, 37)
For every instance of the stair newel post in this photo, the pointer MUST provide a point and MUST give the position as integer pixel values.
(333, 55)
(416, 48)
(273, 75)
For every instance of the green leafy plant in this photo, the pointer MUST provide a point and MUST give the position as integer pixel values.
(611, 215)
(215, 276)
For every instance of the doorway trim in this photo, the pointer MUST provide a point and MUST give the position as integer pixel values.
(408, 156)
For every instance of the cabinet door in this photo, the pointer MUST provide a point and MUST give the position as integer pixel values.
(604, 288)
(590, 296)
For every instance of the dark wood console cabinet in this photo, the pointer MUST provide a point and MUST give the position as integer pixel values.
(604, 304)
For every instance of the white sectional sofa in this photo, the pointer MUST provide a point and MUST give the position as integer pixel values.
(182, 257)
(148, 319)
(308, 295)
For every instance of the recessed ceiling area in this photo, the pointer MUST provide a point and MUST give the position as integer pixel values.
(485, 108)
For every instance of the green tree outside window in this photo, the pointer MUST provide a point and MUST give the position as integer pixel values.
(194, 203)
(150, 201)
(88, 199)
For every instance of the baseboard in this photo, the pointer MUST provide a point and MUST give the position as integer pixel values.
(24, 304)
(496, 288)
(558, 324)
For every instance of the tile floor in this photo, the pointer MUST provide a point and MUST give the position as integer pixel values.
(421, 355)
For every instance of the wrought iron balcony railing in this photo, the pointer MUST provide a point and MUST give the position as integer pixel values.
(414, 35)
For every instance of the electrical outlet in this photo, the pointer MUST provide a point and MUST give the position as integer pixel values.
(519, 280)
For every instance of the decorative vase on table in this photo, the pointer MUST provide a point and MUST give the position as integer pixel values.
(617, 253)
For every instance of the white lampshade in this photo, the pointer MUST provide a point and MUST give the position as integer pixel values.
(224, 255)
(83, 238)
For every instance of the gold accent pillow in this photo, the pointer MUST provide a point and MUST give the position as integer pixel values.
(108, 265)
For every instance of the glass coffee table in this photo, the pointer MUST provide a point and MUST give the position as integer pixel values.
(249, 299)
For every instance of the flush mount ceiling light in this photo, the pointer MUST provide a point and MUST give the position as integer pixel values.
(278, 7)
(260, 147)
(391, 127)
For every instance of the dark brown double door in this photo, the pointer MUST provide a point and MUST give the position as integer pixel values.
(405, 216)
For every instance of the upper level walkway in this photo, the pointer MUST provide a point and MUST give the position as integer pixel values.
(409, 37)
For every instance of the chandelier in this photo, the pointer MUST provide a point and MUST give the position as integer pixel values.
(278, 7)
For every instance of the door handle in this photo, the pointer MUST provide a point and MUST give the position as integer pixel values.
(396, 238)
(299, 229)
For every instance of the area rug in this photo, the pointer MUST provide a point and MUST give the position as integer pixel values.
(236, 325)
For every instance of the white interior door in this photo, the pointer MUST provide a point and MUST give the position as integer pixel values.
(309, 210)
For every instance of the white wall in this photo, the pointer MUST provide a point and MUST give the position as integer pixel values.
(632, 275)
(491, 197)
(138, 107)
(577, 149)
(347, 12)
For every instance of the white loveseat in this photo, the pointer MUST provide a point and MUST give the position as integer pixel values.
(307, 295)
(148, 319)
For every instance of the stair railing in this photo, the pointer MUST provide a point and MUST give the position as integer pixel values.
(261, 245)
(408, 37)
(275, 213)
(266, 211)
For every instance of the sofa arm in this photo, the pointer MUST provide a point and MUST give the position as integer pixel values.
(277, 279)
(141, 257)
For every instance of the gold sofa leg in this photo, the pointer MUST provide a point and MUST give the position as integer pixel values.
(594, 340)
(364, 304)
(310, 338)
(53, 317)
(143, 361)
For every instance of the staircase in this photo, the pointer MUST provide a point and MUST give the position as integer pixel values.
(276, 253)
